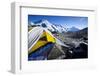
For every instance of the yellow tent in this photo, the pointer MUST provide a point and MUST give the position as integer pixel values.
(44, 39)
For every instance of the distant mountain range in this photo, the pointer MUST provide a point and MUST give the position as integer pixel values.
(73, 29)
(79, 34)
(53, 27)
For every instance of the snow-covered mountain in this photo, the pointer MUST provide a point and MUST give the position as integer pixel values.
(52, 27)
(73, 29)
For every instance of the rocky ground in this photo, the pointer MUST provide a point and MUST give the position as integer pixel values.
(77, 42)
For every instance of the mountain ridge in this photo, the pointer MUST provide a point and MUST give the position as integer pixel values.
(53, 27)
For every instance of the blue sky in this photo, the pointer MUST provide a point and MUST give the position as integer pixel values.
(69, 21)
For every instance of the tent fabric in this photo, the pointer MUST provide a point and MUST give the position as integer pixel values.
(41, 48)
(41, 53)
(49, 37)
(40, 43)
(35, 34)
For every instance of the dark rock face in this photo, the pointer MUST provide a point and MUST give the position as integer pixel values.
(81, 51)
(76, 53)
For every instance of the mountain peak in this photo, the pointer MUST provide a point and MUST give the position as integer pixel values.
(52, 27)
